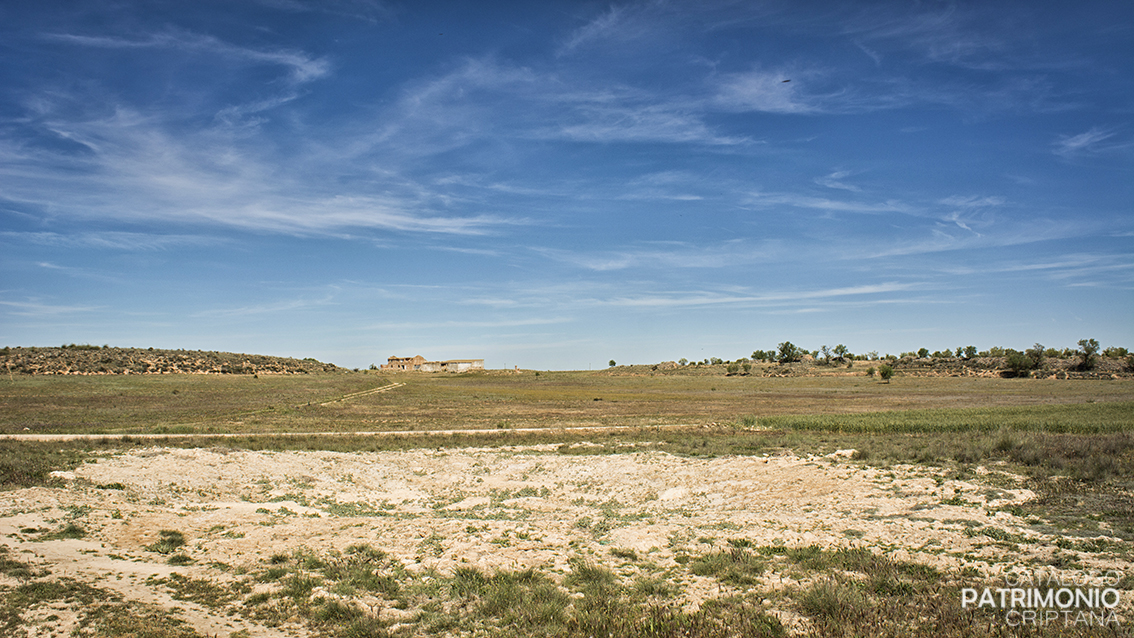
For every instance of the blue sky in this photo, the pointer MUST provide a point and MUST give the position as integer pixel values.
(556, 184)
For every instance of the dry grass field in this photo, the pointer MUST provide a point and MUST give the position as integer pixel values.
(711, 506)
(209, 404)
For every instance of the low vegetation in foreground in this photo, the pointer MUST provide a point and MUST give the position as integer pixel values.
(1075, 454)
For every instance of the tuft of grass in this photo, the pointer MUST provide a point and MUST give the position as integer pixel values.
(16, 569)
(831, 601)
(180, 559)
(201, 591)
(525, 599)
(624, 553)
(591, 579)
(361, 568)
(299, 586)
(68, 531)
(737, 567)
(169, 541)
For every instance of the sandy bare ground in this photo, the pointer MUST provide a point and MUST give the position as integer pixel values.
(490, 508)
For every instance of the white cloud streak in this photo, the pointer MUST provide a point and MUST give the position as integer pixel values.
(39, 309)
(716, 299)
(109, 240)
(835, 180)
(1093, 142)
(303, 67)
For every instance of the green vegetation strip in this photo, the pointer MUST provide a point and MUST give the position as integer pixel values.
(1080, 418)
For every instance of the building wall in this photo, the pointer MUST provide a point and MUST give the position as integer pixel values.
(404, 363)
(419, 363)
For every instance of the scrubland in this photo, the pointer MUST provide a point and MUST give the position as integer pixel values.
(709, 505)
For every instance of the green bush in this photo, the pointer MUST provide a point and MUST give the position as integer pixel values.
(788, 352)
(1019, 363)
(885, 371)
(1088, 354)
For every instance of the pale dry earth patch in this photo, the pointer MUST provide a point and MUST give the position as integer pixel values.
(494, 508)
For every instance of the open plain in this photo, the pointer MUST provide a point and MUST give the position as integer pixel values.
(496, 504)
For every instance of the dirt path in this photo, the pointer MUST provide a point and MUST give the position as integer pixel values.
(160, 437)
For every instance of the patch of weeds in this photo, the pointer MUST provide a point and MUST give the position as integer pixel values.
(996, 533)
(30, 463)
(624, 553)
(335, 613)
(69, 531)
(591, 580)
(136, 619)
(526, 600)
(100, 612)
(603, 526)
(112, 486)
(657, 587)
(306, 559)
(180, 559)
(16, 569)
(352, 510)
(78, 511)
(362, 567)
(725, 526)
(737, 567)
(273, 574)
(201, 591)
(717, 618)
(433, 544)
(299, 586)
(169, 541)
(467, 582)
(1097, 546)
(831, 602)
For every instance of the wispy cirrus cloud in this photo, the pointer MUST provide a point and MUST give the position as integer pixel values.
(36, 308)
(110, 240)
(485, 98)
(449, 325)
(303, 68)
(669, 255)
(709, 298)
(285, 305)
(835, 180)
(830, 205)
(638, 123)
(1092, 142)
(368, 10)
(765, 91)
(143, 171)
(635, 24)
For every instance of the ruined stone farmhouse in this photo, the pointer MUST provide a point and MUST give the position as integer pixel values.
(419, 363)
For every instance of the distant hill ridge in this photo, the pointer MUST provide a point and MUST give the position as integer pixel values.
(85, 359)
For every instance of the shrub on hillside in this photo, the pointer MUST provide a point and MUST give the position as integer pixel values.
(1020, 364)
(1088, 354)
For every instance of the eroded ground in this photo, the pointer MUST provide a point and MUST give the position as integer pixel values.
(643, 513)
